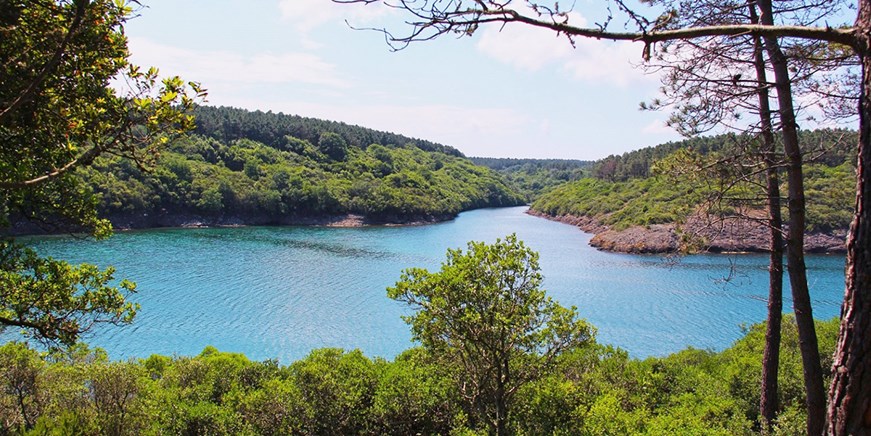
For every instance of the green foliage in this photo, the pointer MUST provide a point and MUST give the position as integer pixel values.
(333, 145)
(485, 313)
(589, 390)
(830, 147)
(687, 180)
(295, 133)
(534, 177)
(622, 204)
(416, 395)
(54, 301)
(58, 113)
(337, 390)
(253, 182)
(831, 194)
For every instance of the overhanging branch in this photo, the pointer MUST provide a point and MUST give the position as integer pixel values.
(434, 21)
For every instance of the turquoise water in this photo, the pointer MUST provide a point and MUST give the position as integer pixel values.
(279, 292)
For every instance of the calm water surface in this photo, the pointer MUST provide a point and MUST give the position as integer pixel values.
(279, 292)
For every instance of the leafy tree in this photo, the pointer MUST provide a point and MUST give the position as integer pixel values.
(333, 145)
(533, 177)
(59, 113)
(295, 133)
(337, 389)
(54, 301)
(416, 395)
(485, 312)
(589, 390)
(20, 372)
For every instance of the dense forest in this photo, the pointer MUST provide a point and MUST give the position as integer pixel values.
(592, 390)
(831, 147)
(244, 167)
(229, 124)
(533, 177)
(667, 183)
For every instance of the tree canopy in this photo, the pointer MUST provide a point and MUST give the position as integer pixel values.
(59, 112)
(209, 179)
(484, 311)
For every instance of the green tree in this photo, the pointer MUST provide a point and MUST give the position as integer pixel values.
(485, 312)
(337, 389)
(20, 404)
(59, 113)
(333, 145)
(55, 301)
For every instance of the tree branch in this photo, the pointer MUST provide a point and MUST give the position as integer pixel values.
(81, 6)
(466, 21)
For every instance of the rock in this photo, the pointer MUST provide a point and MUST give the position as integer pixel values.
(659, 238)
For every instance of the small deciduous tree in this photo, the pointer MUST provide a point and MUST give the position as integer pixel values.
(485, 312)
(333, 145)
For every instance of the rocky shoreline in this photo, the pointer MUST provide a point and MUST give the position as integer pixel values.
(143, 221)
(122, 222)
(703, 235)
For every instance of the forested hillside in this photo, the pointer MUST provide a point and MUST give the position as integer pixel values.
(533, 177)
(229, 124)
(245, 167)
(674, 182)
(829, 146)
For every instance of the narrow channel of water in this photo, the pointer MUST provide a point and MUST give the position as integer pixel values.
(279, 292)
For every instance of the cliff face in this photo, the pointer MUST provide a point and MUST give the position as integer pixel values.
(697, 234)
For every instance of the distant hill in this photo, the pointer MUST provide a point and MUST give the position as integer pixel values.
(242, 167)
(625, 193)
(228, 124)
(532, 177)
(828, 146)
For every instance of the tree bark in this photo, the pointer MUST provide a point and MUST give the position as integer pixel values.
(849, 411)
(771, 354)
(810, 354)
(501, 398)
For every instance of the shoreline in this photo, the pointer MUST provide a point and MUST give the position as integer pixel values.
(348, 220)
(705, 236)
(125, 223)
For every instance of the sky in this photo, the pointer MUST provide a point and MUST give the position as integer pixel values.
(515, 91)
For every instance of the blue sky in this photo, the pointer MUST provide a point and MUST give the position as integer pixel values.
(514, 92)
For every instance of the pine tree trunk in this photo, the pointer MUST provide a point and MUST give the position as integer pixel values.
(810, 355)
(771, 354)
(849, 410)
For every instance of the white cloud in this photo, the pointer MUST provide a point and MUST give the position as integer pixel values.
(306, 15)
(219, 67)
(658, 127)
(607, 62)
(450, 123)
(523, 46)
(531, 48)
